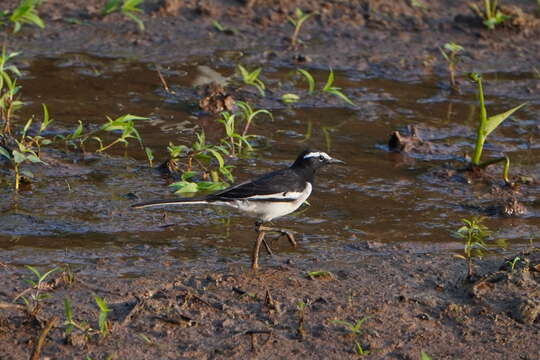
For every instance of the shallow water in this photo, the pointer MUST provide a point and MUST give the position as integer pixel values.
(77, 211)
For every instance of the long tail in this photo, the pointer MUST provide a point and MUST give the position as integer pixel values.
(177, 201)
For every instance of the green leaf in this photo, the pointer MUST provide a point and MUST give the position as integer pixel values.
(290, 98)
(18, 157)
(424, 356)
(329, 81)
(5, 153)
(494, 121)
(34, 158)
(185, 187)
(309, 78)
(218, 157)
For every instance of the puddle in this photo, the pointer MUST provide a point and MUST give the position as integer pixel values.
(81, 212)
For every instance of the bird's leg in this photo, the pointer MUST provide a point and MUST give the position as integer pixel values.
(281, 233)
(257, 247)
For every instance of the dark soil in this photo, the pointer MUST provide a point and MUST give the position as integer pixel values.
(215, 309)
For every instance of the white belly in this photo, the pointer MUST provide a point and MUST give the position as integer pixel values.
(267, 211)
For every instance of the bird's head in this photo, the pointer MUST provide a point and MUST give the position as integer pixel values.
(314, 160)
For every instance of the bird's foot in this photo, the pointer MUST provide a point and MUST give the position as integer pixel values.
(282, 232)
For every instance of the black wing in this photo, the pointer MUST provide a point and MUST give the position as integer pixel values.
(281, 181)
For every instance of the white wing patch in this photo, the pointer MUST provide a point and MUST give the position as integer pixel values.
(286, 196)
(317, 154)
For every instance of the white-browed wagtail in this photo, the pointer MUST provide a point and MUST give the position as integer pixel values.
(267, 197)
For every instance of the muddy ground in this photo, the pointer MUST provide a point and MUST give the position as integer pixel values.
(217, 308)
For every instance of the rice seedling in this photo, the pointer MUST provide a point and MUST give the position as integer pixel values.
(301, 307)
(199, 160)
(233, 140)
(126, 125)
(248, 115)
(424, 356)
(25, 13)
(486, 125)
(102, 317)
(320, 274)
(450, 51)
(355, 330)
(290, 98)
(297, 20)
(9, 89)
(251, 78)
(129, 8)
(331, 89)
(23, 153)
(37, 285)
(473, 233)
(491, 16)
(309, 78)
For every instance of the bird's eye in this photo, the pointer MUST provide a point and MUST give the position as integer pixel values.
(321, 157)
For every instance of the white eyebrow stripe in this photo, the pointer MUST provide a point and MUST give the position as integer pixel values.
(317, 154)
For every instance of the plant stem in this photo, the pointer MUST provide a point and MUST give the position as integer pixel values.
(480, 133)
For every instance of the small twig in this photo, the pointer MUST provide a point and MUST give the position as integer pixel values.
(5, 305)
(164, 82)
(41, 339)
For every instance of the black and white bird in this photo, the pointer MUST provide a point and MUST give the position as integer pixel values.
(267, 197)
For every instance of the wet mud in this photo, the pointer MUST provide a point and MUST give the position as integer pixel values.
(379, 231)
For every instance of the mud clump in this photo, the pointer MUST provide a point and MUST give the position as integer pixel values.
(215, 99)
(409, 142)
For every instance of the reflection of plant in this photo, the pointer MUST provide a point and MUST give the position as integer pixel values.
(485, 126)
(450, 52)
(297, 20)
(252, 78)
(473, 233)
(491, 15)
(25, 13)
(128, 8)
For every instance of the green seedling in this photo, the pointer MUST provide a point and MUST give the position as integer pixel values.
(8, 91)
(486, 125)
(512, 263)
(38, 284)
(102, 317)
(297, 20)
(359, 350)
(126, 125)
(248, 115)
(290, 98)
(26, 13)
(450, 51)
(320, 275)
(200, 155)
(149, 155)
(491, 15)
(233, 140)
(70, 323)
(419, 5)
(223, 29)
(129, 8)
(331, 89)
(355, 328)
(301, 307)
(252, 78)
(309, 78)
(473, 233)
(424, 356)
(24, 153)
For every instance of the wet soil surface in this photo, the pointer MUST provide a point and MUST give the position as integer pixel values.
(177, 281)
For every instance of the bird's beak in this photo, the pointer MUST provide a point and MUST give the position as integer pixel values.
(336, 161)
